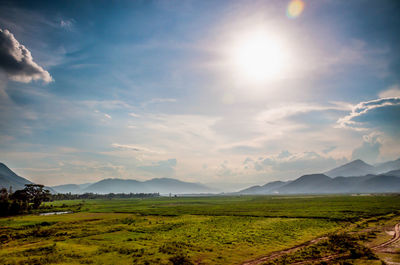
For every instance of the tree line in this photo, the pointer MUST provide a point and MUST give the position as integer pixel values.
(22, 201)
(84, 196)
(33, 195)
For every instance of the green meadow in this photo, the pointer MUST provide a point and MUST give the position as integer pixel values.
(187, 230)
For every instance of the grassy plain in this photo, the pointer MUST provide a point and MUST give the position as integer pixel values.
(199, 230)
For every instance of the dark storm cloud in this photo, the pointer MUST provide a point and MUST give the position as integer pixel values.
(17, 62)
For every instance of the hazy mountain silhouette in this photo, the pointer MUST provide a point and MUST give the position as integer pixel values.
(9, 179)
(307, 184)
(360, 168)
(71, 188)
(322, 184)
(161, 185)
(395, 173)
(365, 179)
(271, 187)
(354, 168)
(388, 166)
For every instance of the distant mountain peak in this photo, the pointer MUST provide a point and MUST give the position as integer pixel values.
(354, 168)
(353, 177)
(358, 162)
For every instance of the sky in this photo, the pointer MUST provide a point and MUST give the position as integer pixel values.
(225, 93)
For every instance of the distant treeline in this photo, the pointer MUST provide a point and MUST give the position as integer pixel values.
(22, 201)
(69, 196)
(31, 197)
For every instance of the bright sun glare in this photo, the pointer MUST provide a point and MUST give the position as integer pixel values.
(260, 57)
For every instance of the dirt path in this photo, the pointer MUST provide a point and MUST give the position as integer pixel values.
(395, 238)
(278, 254)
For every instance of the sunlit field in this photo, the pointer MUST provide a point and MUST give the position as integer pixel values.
(201, 230)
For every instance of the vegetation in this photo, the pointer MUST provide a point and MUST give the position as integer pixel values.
(207, 230)
(335, 208)
(341, 247)
(91, 196)
(22, 201)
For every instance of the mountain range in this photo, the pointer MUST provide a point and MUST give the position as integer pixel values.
(161, 185)
(360, 168)
(354, 177)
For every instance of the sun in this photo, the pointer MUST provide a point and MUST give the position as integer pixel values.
(259, 56)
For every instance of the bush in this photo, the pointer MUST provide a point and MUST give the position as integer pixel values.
(180, 259)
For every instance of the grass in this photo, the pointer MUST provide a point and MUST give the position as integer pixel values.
(339, 208)
(201, 230)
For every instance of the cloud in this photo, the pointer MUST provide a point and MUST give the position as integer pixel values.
(17, 62)
(134, 115)
(379, 114)
(164, 168)
(274, 114)
(391, 92)
(67, 24)
(132, 147)
(329, 149)
(295, 164)
(158, 100)
(247, 160)
(370, 148)
(284, 154)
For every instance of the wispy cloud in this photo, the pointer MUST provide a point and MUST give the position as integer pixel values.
(133, 148)
(67, 24)
(365, 113)
(158, 100)
(164, 168)
(134, 115)
(392, 91)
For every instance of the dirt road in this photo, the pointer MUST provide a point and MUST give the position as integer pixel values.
(395, 238)
(277, 254)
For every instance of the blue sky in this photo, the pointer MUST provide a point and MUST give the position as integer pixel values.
(144, 89)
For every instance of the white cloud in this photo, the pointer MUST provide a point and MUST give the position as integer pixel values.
(369, 151)
(134, 115)
(158, 100)
(365, 114)
(164, 168)
(17, 62)
(133, 148)
(391, 92)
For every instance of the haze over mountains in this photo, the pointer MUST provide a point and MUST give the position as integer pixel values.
(161, 185)
(354, 177)
(360, 168)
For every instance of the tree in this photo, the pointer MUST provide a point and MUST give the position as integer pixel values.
(4, 202)
(36, 194)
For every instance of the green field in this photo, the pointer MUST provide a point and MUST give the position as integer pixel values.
(200, 230)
